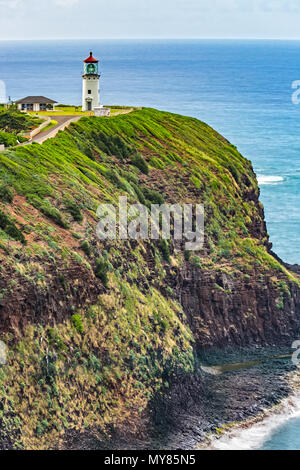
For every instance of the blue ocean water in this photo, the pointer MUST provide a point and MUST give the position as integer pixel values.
(241, 88)
(286, 437)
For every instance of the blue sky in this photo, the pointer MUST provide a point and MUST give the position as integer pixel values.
(149, 19)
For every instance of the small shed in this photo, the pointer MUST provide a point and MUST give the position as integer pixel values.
(35, 103)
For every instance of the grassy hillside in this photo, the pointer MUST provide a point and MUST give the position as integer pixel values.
(94, 329)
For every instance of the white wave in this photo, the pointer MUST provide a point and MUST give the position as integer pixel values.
(253, 437)
(264, 179)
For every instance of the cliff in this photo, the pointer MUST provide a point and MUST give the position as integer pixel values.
(97, 330)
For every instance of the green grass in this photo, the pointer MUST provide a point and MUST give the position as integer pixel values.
(186, 146)
(51, 124)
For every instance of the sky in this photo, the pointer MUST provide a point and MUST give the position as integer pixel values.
(68, 19)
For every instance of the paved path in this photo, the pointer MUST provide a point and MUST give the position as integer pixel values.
(62, 123)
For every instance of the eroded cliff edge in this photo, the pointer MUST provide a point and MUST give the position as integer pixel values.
(98, 330)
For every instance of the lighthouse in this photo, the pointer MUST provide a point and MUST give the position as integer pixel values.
(90, 84)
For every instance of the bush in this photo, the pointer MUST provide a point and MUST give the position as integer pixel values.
(8, 140)
(6, 194)
(165, 251)
(196, 261)
(48, 368)
(10, 228)
(140, 163)
(41, 427)
(76, 321)
(47, 209)
(14, 121)
(74, 210)
(153, 196)
(55, 341)
(53, 213)
(112, 145)
(22, 139)
(139, 193)
(85, 246)
(101, 271)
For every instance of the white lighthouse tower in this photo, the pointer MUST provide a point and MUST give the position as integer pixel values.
(90, 84)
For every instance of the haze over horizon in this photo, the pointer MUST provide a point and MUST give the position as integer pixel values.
(149, 19)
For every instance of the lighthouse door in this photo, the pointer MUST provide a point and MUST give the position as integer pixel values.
(89, 106)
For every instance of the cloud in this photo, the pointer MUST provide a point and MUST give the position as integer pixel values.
(150, 18)
(11, 4)
(66, 3)
(244, 6)
(14, 4)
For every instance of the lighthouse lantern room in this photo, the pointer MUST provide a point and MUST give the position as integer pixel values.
(90, 84)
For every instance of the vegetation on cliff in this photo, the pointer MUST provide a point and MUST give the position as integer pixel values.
(95, 330)
(13, 123)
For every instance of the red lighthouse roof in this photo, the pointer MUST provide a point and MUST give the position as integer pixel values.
(91, 59)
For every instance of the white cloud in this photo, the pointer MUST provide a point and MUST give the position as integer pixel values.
(66, 3)
(12, 4)
(150, 18)
(244, 6)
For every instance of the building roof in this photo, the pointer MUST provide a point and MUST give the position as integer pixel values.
(35, 99)
(91, 59)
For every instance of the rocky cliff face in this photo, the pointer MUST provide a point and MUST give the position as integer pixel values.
(95, 330)
(226, 311)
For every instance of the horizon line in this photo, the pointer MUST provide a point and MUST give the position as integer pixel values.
(154, 39)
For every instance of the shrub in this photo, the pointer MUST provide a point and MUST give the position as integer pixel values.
(47, 209)
(10, 228)
(153, 196)
(53, 213)
(85, 246)
(165, 251)
(138, 161)
(9, 140)
(41, 427)
(101, 270)
(55, 341)
(6, 194)
(48, 368)
(112, 145)
(116, 180)
(14, 121)
(280, 302)
(22, 139)
(76, 321)
(196, 261)
(169, 290)
(94, 363)
(74, 210)
(138, 193)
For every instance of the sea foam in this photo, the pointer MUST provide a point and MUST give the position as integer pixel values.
(264, 179)
(254, 437)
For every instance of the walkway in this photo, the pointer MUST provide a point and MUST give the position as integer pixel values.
(62, 123)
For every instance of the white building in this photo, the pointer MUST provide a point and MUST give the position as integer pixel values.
(36, 103)
(90, 84)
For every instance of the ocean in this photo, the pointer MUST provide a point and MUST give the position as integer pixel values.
(241, 88)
